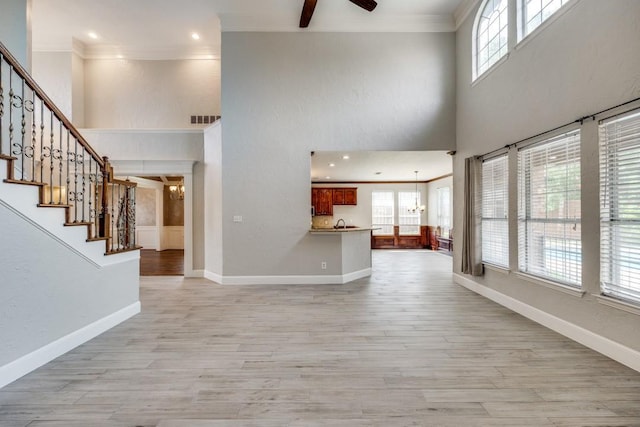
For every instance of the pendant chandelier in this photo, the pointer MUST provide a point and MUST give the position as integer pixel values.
(416, 207)
(176, 192)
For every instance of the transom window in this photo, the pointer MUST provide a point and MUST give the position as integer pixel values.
(491, 35)
(620, 207)
(535, 12)
(549, 211)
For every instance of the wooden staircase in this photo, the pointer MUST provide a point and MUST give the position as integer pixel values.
(42, 148)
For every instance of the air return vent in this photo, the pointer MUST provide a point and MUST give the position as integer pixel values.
(199, 120)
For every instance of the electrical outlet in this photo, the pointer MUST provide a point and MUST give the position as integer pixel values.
(323, 265)
(237, 218)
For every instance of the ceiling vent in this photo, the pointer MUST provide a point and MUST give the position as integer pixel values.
(204, 120)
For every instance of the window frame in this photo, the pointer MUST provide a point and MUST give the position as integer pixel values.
(404, 215)
(550, 245)
(616, 252)
(383, 225)
(492, 239)
(476, 72)
(521, 17)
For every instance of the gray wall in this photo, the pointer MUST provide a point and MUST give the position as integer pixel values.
(48, 291)
(134, 94)
(584, 62)
(286, 94)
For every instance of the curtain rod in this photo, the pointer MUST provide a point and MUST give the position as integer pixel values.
(581, 120)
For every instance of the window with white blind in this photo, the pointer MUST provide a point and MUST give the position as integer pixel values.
(444, 208)
(490, 35)
(495, 207)
(620, 207)
(382, 212)
(532, 13)
(409, 222)
(549, 242)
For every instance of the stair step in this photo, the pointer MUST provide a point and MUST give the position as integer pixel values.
(17, 181)
(97, 239)
(5, 157)
(74, 224)
(119, 251)
(52, 205)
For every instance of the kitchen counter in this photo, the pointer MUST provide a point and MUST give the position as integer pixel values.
(339, 230)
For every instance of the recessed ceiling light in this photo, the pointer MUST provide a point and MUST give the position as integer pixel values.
(345, 157)
(331, 165)
(119, 56)
(327, 177)
(378, 173)
(92, 35)
(195, 36)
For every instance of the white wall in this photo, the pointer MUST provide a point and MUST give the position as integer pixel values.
(52, 72)
(134, 94)
(582, 63)
(53, 299)
(213, 200)
(287, 94)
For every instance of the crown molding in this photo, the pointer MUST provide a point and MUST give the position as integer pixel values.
(463, 10)
(373, 24)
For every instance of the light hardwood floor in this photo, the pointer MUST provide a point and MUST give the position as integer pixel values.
(405, 347)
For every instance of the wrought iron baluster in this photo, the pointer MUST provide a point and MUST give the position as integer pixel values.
(60, 158)
(1, 105)
(113, 229)
(84, 183)
(34, 136)
(23, 127)
(41, 140)
(68, 190)
(75, 182)
(9, 105)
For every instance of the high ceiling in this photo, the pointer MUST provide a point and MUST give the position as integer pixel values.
(365, 166)
(162, 29)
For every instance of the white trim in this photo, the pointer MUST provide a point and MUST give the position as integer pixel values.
(496, 268)
(336, 279)
(463, 11)
(616, 303)
(32, 361)
(576, 292)
(196, 274)
(523, 40)
(214, 277)
(616, 351)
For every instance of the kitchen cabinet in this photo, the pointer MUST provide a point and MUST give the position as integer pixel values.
(322, 201)
(345, 196)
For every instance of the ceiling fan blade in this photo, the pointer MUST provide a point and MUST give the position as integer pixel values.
(307, 12)
(368, 5)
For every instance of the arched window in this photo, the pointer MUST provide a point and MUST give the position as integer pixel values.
(532, 13)
(490, 35)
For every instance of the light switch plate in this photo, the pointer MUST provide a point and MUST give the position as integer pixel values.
(237, 218)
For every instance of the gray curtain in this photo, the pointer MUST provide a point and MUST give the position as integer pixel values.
(472, 222)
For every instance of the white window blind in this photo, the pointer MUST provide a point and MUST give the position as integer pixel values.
(620, 207)
(495, 207)
(409, 223)
(491, 35)
(535, 12)
(382, 212)
(549, 242)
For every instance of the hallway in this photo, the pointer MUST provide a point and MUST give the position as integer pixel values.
(404, 347)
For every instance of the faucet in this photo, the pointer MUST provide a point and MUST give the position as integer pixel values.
(344, 225)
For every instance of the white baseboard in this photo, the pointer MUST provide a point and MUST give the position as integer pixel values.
(30, 362)
(194, 273)
(336, 279)
(616, 351)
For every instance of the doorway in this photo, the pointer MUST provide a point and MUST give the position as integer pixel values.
(160, 224)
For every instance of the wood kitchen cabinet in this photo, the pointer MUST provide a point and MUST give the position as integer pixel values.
(345, 196)
(322, 201)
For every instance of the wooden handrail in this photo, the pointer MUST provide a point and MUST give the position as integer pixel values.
(24, 74)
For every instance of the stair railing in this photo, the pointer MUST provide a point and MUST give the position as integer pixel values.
(43, 148)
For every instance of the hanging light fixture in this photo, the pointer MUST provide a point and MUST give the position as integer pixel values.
(416, 207)
(176, 192)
